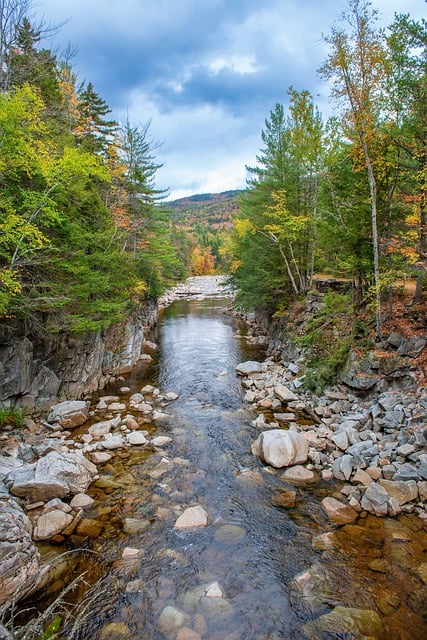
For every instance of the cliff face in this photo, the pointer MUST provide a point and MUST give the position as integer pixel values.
(37, 368)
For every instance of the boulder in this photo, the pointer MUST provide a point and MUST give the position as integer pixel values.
(69, 414)
(281, 448)
(338, 512)
(53, 476)
(249, 367)
(19, 558)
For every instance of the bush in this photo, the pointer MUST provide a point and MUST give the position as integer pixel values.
(12, 416)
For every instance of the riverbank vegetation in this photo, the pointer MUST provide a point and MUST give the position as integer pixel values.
(83, 232)
(344, 197)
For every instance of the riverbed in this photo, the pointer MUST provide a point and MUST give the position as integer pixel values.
(256, 571)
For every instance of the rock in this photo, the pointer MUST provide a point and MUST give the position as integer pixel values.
(51, 524)
(131, 552)
(192, 517)
(171, 396)
(81, 500)
(298, 474)
(116, 631)
(185, 633)
(136, 438)
(160, 416)
(161, 441)
(214, 591)
(403, 491)
(248, 368)
(131, 423)
(53, 476)
(100, 457)
(284, 394)
(230, 534)
(324, 541)
(346, 620)
(281, 448)
(171, 620)
(362, 477)
(338, 512)
(19, 557)
(411, 347)
(101, 428)
(343, 467)
(375, 500)
(340, 440)
(89, 528)
(117, 407)
(69, 414)
(284, 499)
(406, 472)
(113, 442)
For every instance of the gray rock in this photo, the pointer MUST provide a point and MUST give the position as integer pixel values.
(113, 442)
(406, 472)
(19, 558)
(284, 394)
(136, 438)
(411, 347)
(69, 414)
(249, 367)
(53, 476)
(375, 500)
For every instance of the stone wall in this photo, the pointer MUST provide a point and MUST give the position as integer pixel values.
(37, 368)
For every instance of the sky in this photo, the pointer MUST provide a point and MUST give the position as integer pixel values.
(205, 73)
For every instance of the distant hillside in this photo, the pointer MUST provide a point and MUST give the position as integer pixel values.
(212, 210)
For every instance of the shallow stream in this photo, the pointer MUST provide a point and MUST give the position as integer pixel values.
(256, 571)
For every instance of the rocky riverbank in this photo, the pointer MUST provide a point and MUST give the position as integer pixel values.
(375, 444)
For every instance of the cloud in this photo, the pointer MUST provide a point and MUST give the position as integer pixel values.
(206, 72)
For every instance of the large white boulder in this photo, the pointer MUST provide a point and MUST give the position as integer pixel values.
(281, 448)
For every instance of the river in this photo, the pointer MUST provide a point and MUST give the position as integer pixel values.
(253, 573)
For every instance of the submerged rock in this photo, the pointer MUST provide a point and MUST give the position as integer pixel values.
(192, 517)
(338, 512)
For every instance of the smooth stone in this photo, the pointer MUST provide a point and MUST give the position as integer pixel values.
(161, 441)
(171, 620)
(51, 524)
(298, 473)
(101, 428)
(324, 541)
(100, 457)
(192, 517)
(349, 620)
(130, 552)
(81, 500)
(214, 591)
(185, 633)
(229, 534)
(134, 525)
(136, 438)
(113, 442)
(280, 448)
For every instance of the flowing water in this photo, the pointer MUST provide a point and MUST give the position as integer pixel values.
(254, 571)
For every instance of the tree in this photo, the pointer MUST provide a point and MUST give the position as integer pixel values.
(95, 133)
(407, 56)
(356, 66)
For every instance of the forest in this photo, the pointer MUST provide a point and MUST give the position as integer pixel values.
(85, 234)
